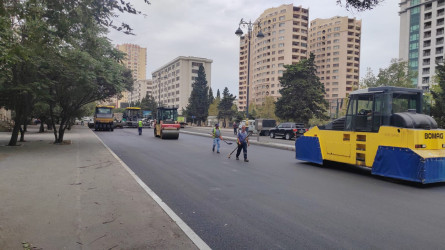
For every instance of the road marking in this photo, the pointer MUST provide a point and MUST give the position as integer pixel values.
(185, 228)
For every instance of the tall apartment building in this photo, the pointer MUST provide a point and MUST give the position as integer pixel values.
(172, 83)
(285, 42)
(422, 37)
(141, 89)
(136, 61)
(335, 42)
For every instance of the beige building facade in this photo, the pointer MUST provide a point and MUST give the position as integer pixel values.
(141, 88)
(136, 61)
(172, 83)
(285, 42)
(335, 42)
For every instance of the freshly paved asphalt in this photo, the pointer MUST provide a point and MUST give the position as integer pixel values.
(277, 202)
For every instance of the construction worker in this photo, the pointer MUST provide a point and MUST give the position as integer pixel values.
(243, 142)
(216, 135)
(140, 127)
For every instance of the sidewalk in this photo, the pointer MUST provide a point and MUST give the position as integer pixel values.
(77, 196)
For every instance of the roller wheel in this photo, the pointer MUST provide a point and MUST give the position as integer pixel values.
(162, 135)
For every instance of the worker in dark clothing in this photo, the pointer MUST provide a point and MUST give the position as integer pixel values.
(243, 142)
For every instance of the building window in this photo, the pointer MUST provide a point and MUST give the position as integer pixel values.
(281, 18)
(337, 29)
(281, 25)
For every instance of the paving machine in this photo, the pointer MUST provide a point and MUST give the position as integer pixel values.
(167, 126)
(103, 118)
(384, 129)
(131, 117)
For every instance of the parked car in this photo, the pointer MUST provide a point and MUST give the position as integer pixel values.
(288, 130)
(91, 123)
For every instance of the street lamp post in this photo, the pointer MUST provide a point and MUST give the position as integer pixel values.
(249, 25)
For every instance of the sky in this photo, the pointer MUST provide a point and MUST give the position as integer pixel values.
(206, 28)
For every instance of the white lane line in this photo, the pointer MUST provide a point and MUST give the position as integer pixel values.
(187, 230)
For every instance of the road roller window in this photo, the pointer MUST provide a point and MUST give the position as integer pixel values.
(405, 102)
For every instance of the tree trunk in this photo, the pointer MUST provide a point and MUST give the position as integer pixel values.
(25, 126)
(22, 134)
(49, 125)
(15, 135)
(62, 128)
(42, 127)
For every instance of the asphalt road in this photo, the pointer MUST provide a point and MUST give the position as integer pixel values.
(229, 133)
(277, 202)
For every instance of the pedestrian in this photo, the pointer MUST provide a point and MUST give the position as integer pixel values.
(216, 135)
(243, 142)
(140, 127)
(235, 127)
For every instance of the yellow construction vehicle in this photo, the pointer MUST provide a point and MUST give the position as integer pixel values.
(131, 117)
(103, 118)
(384, 129)
(167, 126)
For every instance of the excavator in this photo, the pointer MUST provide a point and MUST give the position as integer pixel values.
(167, 126)
(385, 130)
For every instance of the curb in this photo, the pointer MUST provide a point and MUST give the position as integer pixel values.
(265, 144)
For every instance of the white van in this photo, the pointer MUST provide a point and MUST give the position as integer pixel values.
(250, 128)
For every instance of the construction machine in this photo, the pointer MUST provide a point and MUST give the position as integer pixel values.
(385, 130)
(167, 126)
(131, 117)
(103, 118)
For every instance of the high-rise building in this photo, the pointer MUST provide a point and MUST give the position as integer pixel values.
(172, 83)
(285, 42)
(335, 42)
(141, 89)
(136, 61)
(422, 37)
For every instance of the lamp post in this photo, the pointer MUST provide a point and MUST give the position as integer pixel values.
(239, 32)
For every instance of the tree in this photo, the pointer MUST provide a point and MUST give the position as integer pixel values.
(396, 74)
(218, 95)
(213, 108)
(302, 93)
(267, 110)
(360, 5)
(225, 106)
(149, 103)
(211, 97)
(199, 100)
(438, 93)
(253, 111)
(36, 36)
(369, 81)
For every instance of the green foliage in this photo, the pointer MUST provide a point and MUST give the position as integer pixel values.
(218, 95)
(253, 114)
(438, 95)
(397, 74)
(302, 93)
(199, 100)
(54, 56)
(211, 97)
(360, 5)
(267, 110)
(149, 103)
(225, 106)
(213, 108)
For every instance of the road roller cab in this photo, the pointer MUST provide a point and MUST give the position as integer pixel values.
(103, 118)
(167, 126)
(384, 129)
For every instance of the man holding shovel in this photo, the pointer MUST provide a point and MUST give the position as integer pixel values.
(243, 142)
(216, 135)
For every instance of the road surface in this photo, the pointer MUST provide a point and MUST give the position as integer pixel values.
(277, 202)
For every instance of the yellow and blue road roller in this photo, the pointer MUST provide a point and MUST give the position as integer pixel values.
(384, 129)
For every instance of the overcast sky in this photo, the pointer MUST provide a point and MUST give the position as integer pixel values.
(206, 28)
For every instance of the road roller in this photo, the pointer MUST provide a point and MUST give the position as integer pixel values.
(385, 130)
(167, 126)
(103, 118)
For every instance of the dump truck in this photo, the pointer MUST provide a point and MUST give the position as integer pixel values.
(103, 118)
(385, 130)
